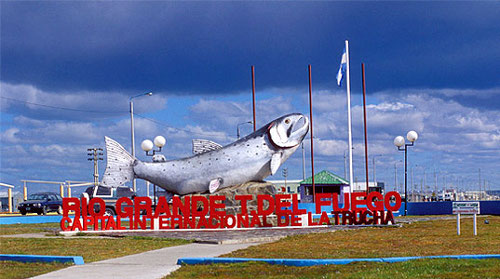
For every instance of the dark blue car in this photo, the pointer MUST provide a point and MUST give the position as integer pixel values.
(41, 203)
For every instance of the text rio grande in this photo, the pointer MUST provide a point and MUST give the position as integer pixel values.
(199, 212)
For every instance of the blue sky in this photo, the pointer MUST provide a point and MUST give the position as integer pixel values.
(68, 69)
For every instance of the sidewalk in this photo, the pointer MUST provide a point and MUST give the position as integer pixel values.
(151, 264)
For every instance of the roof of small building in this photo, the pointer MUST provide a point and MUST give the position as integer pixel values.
(325, 177)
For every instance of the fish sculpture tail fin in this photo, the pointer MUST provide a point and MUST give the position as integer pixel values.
(119, 165)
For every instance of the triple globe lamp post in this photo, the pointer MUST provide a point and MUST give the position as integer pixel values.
(148, 145)
(399, 142)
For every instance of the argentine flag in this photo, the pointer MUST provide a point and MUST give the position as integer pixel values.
(342, 68)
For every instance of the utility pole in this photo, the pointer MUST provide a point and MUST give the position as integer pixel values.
(345, 165)
(435, 181)
(412, 185)
(304, 162)
(285, 175)
(479, 194)
(95, 156)
(395, 178)
(445, 184)
(374, 169)
(484, 189)
(425, 181)
(422, 188)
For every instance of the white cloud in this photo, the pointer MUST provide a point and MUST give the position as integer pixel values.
(328, 147)
(452, 136)
(28, 100)
(10, 135)
(227, 114)
(385, 106)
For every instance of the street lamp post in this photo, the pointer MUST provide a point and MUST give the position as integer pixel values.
(395, 177)
(238, 127)
(399, 141)
(345, 164)
(132, 128)
(303, 162)
(374, 168)
(147, 145)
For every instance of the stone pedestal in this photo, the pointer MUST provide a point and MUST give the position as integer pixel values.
(253, 188)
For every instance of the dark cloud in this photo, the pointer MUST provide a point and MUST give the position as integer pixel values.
(94, 55)
(208, 47)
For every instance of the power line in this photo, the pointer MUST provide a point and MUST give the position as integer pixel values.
(62, 108)
(107, 112)
(171, 127)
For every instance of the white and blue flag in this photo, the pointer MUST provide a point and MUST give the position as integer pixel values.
(342, 68)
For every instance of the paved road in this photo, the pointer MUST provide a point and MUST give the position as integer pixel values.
(151, 264)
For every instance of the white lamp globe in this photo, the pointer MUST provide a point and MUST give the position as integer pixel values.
(399, 141)
(412, 136)
(147, 145)
(160, 141)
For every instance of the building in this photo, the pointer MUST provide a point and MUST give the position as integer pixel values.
(289, 186)
(17, 197)
(325, 182)
(373, 187)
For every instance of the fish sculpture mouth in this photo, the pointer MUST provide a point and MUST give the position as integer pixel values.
(288, 131)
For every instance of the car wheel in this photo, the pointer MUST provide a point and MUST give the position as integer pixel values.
(23, 212)
(109, 212)
(44, 210)
(39, 212)
(59, 210)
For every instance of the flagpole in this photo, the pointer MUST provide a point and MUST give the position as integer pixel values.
(366, 134)
(311, 129)
(348, 86)
(253, 97)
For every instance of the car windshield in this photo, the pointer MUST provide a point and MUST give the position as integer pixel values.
(37, 197)
(90, 191)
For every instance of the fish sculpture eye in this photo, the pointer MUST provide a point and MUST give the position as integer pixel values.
(287, 121)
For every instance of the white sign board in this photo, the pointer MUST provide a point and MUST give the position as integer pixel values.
(465, 207)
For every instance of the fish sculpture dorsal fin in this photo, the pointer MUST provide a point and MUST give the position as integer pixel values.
(202, 146)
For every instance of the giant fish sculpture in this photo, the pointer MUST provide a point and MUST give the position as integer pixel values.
(213, 167)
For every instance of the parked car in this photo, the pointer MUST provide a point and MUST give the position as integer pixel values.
(41, 203)
(109, 195)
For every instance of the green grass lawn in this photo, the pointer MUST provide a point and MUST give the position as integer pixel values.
(27, 228)
(14, 270)
(417, 239)
(96, 249)
(438, 268)
(91, 249)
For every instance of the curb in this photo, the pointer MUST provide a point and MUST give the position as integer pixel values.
(311, 262)
(77, 260)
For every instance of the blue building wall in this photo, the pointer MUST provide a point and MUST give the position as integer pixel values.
(423, 208)
(445, 207)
